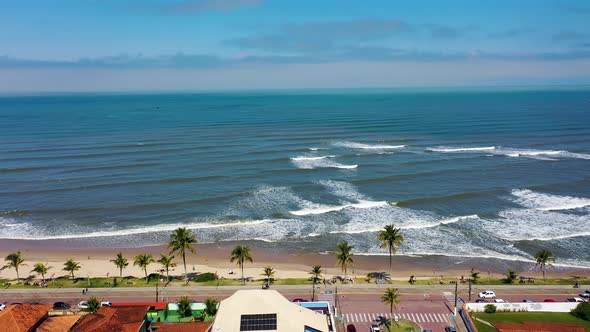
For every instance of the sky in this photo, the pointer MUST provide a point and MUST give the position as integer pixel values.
(161, 45)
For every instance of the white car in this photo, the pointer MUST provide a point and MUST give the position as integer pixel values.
(375, 328)
(83, 305)
(575, 299)
(500, 301)
(487, 295)
(106, 304)
(2, 306)
(586, 293)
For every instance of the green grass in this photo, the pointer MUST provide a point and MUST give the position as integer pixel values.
(517, 317)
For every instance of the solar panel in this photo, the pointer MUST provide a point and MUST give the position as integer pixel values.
(260, 322)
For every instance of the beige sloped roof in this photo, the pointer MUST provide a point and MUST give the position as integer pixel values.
(290, 316)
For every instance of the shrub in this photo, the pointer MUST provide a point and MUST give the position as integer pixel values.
(208, 276)
(582, 311)
(489, 308)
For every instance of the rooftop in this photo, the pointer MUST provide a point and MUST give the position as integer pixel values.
(23, 317)
(108, 319)
(58, 323)
(181, 327)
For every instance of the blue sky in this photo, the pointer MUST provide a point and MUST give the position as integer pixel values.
(123, 45)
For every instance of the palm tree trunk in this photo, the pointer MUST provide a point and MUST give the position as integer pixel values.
(167, 275)
(184, 262)
(391, 308)
(17, 275)
(389, 259)
(43, 277)
(313, 291)
(242, 267)
(121, 272)
(146, 278)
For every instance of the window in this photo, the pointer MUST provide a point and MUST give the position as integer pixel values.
(310, 329)
(262, 322)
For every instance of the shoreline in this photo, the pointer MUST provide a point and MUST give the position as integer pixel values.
(214, 257)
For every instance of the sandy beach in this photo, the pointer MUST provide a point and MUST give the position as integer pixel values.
(95, 262)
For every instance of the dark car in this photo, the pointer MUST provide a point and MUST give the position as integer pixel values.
(480, 301)
(350, 328)
(299, 300)
(61, 306)
(427, 330)
(450, 329)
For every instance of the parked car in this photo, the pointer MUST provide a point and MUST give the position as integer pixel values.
(528, 300)
(83, 305)
(299, 300)
(450, 329)
(575, 299)
(106, 304)
(427, 330)
(487, 294)
(548, 300)
(585, 293)
(2, 306)
(350, 328)
(61, 306)
(480, 301)
(500, 301)
(375, 328)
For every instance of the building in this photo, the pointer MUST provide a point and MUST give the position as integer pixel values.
(58, 323)
(119, 318)
(23, 317)
(180, 327)
(266, 310)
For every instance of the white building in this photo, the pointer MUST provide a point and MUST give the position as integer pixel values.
(266, 310)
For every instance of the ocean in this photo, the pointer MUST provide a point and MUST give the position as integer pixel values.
(475, 173)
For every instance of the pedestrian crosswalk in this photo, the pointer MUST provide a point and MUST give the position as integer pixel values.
(415, 317)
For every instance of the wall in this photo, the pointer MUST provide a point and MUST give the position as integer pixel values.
(522, 306)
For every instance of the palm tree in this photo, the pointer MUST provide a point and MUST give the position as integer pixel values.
(167, 262)
(241, 254)
(474, 276)
(510, 277)
(143, 260)
(211, 305)
(71, 266)
(389, 238)
(41, 269)
(180, 241)
(316, 276)
(184, 307)
(390, 297)
(120, 262)
(344, 256)
(93, 304)
(269, 272)
(14, 261)
(384, 321)
(544, 259)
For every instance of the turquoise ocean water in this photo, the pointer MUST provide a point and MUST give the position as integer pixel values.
(471, 174)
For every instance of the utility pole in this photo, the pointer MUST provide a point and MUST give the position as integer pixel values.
(157, 291)
(469, 289)
(456, 286)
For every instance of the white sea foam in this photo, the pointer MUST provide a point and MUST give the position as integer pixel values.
(550, 155)
(413, 225)
(452, 149)
(321, 209)
(353, 145)
(548, 202)
(305, 162)
(316, 149)
(311, 158)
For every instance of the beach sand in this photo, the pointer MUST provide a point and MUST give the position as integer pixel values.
(214, 258)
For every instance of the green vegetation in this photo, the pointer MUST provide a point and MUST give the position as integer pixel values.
(344, 256)
(544, 259)
(71, 266)
(181, 241)
(184, 307)
(489, 308)
(167, 262)
(211, 306)
(207, 276)
(390, 238)
(41, 269)
(14, 261)
(143, 260)
(474, 276)
(93, 304)
(391, 298)
(582, 311)
(517, 317)
(316, 276)
(510, 277)
(268, 273)
(120, 262)
(241, 254)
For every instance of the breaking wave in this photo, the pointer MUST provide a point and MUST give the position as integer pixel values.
(514, 152)
(353, 145)
(548, 202)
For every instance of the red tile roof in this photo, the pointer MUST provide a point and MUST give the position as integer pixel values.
(182, 327)
(114, 319)
(22, 317)
(58, 323)
(155, 305)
